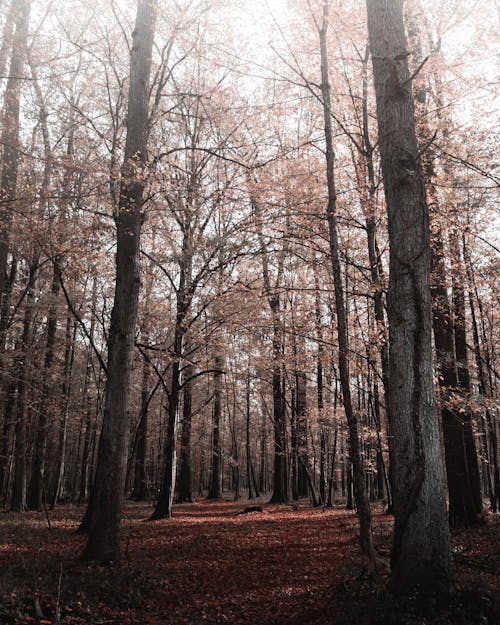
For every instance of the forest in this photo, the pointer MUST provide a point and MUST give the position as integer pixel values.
(249, 298)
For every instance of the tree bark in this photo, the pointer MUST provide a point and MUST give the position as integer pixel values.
(362, 504)
(10, 134)
(185, 480)
(421, 557)
(215, 489)
(23, 366)
(108, 490)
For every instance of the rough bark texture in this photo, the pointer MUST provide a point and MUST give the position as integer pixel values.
(420, 556)
(103, 543)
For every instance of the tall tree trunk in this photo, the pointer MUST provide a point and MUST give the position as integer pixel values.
(185, 481)
(38, 485)
(140, 487)
(252, 482)
(10, 134)
(163, 508)
(8, 385)
(464, 491)
(362, 504)
(215, 489)
(280, 476)
(421, 556)
(472, 512)
(105, 516)
(69, 357)
(23, 366)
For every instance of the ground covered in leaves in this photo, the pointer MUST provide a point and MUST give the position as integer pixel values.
(211, 566)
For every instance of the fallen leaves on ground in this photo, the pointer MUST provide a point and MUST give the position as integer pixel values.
(210, 565)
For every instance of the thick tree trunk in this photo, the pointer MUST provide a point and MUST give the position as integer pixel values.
(362, 504)
(105, 516)
(421, 557)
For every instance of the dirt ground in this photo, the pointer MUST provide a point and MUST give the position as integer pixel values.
(210, 565)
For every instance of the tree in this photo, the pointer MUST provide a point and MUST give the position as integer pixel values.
(107, 493)
(363, 507)
(421, 546)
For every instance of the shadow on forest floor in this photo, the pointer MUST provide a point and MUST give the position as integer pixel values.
(211, 566)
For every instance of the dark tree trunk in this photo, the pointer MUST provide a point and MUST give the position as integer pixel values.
(140, 490)
(471, 509)
(463, 477)
(263, 453)
(23, 366)
(461, 460)
(185, 480)
(8, 385)
(421, 555)
(163, 508)
(69, 356)
(215, 489)
(108, 489)
(362, 504)
(301, 408)
(38, 485)
(250, 470)
(490, 434)
(280, 477)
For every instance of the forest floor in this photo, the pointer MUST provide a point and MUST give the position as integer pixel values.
(210, 565)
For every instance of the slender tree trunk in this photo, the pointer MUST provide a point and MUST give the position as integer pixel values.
(362, 504)
(263, 453)
(421, 555)
(105, 517)
(471, 512)
(8, 385)
(163, 508)
(215, 489)
(280, 477)
(19, 503)
(69, 357)
(250, 471)
(38, 485)
(185, 482)
(140, 487)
